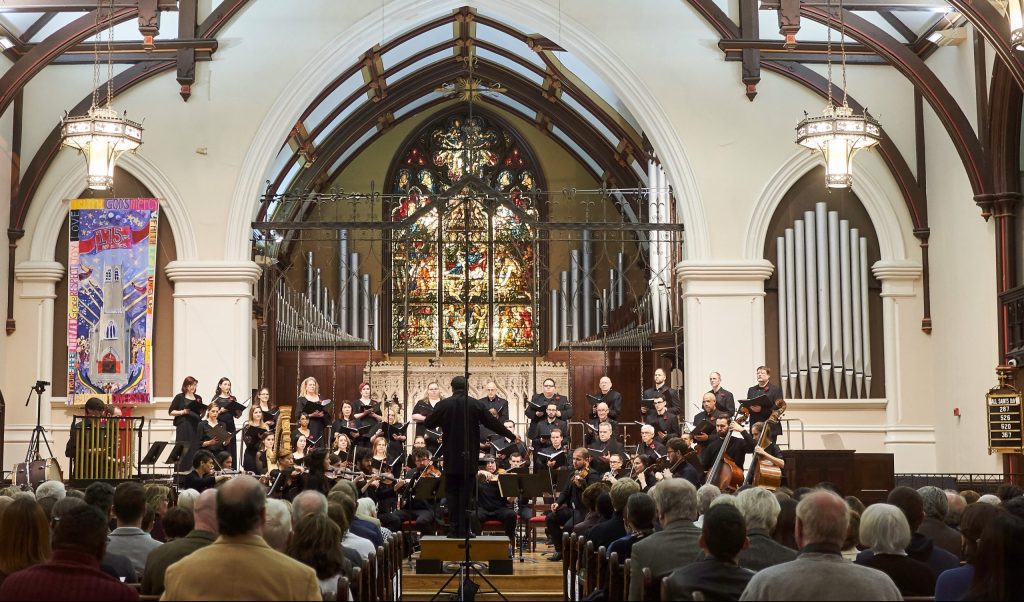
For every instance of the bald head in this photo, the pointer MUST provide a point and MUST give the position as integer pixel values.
(204, 510)
(822, 517)
(241, 506)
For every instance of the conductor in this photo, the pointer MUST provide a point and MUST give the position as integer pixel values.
(461, 416)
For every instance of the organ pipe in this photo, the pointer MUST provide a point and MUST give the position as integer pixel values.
(791, 311)
(866, 323)
(574, 294)
(801, 305)
(365, 305)
(620, 285)
(821, 226)
(376, 321)
(844, 267)
(780, 245)
(810, 262)
(858, 357)
(585, 287)
(343, 280)
(556, 310)
(318, 300)
(835, 300)
(564, 306)
(353, 302)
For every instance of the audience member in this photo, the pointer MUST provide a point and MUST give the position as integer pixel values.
(820, 572)
(101, 495)
(277, 531)
(851, 546)
(970, 496)
(592, 516)
(202, 535)
(177, 523)
(316, 544)
(337, 514)
(241, 515)
(49, 493)
(989, 498)
(705, 495)
(24, 536)
(350, 539)
(854, 503)
(73, 573)
(760, 510)
(957, 504)
(785, 526)
(158, 498)
(128, 539)
(614, 528)
(921, 547)
(885, 531)
(1000, 558)
(1008, 491)
(954, 583)
(306, 503)
(4, 502)
(936, 507)
(358, 526)
(187, 498)
(639, 519)
(717, 577)
(676, 501)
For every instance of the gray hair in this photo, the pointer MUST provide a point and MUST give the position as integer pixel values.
(884, 529)
(308, 502)
(54, 489)
(705, 495)
(724, 500)
(988, 498)
(760, 507)
(935, 503)
(279, 524)
(647, 429)
(823, 517)
(187, 499)
(676, 499)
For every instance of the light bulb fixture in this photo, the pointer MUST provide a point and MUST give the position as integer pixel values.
(839, 132)
(101, 135)
(1015, 12)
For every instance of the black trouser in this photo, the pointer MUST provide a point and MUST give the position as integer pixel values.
(558, 521)
(424, 519)
(507, 516)
(458, 492)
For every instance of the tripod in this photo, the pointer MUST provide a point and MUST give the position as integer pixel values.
(38, 433)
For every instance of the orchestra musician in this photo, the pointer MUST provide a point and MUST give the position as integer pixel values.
(252, 433)
(415, 509)
(269, 409)
(490, 503)
(186, 422)
(649, 445)
(640, 473)
(724, 400)
(284, 481)
(207, 439)
(739, 446)
(381, 486)
(201, 478)
(665, 423)
(542, 430)
(660, 389)
(615, 468)
(677, 467)
(417, 443)
(761, 412)
(568, 509)
(497, 406)
(704, 422)
(772, 453)
(315, 476)
(553, 456)
(603, 413)
(309, 390)
(608, 396)
(222, 398)
(537, 408)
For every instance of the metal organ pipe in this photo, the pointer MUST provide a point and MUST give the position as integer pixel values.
(376, 321)
(366, 307)
(810, 263)
(343, 280)
(620, 285)
(866, 323)
(652, 246)
(563, 283)
(791, 311)
(821, 228)
(665, 272)
(858, 357)
(556, 310)
(353, 300)
(801, 305)
(574, 294)
(780, 245)
(309, 273)
(844, 267)
(835, 300)
(586, 289)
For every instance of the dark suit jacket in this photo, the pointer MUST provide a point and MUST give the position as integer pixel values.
(715, 579)
(169, 553)
(913, 577)
(614, 400)
(455, 415)
(673, 547)
(724, 401)
(942, 534)
(607, 531)
(764, 551)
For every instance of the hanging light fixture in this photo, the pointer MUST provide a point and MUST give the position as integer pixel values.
(1016, 15)
(101, 135)
(838, 133)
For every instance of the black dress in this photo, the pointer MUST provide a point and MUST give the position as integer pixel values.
(186, 429)
(252, 438)
(206, 433)
(317, 426)
(227, 420)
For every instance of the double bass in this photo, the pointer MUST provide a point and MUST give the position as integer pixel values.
(764, 473)
(724, 473)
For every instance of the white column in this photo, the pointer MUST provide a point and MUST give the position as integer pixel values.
(213, 323)
(38, 281)
(723, 323)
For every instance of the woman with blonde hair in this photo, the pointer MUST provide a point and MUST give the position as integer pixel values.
(309, 391)
(24, 536)
(158, 498)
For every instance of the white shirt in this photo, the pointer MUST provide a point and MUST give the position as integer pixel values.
(359, 544)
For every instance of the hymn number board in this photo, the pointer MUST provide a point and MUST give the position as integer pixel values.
(1004, 421)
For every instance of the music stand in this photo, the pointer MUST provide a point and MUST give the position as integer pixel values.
(180, 449)
(155, 449)
(519, 486)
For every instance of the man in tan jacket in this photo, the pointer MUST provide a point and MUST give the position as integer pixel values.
(241, 514)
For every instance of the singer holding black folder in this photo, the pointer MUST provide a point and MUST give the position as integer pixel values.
(230, 410)
(612, 398)
(187, 409)
(461, 416)
(309, 402)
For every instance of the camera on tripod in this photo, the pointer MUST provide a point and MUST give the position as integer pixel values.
(40, 386)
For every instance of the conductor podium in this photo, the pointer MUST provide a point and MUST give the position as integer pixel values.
(435, 550)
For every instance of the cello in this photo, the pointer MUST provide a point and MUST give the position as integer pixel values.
(763, 473)
(724, 473)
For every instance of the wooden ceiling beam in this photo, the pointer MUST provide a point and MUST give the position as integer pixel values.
(37, 26)
(67, 6)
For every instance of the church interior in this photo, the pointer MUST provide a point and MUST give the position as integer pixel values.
(400, 192)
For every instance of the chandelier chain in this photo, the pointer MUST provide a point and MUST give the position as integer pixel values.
(96, 56)
(842, 48)
(828, 54)
(110, 55)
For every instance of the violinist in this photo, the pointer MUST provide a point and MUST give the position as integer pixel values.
(568, 509)
(380, 486)
(284, 481)
(641, 472)
(201, 478)
(505, 447)
(677, 466)
(665, 423)
(615, 469)
(421, 511)
(315, 476)
(738, 439)
(490, 503)
(761, 412)
(417, 443)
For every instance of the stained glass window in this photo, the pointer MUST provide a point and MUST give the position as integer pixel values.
(462, 262)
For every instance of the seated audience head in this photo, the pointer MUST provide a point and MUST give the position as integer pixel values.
(277, 530)
(604, 505)
(315, 544)
(676, 499)
(60, 509)
(592, 492)
(800, 492)
(852, 531)
(4, 502)
(366, 509)
(1008, 491)
(705, 495)
(101, 495)
(129, 504)
(620, 492)
(975, 519)
(82, 529)
(724, 533)
(989, 498)
(1015, 506)
(204, 511)
(178, 522)
(822, 517)
(830, 486)
(957, 504)
(308, 502)
(910, 502)
(855, 504)
(884, 529)
(1000, 557)
(727, 500)
(934, 502)
(24, 535)
(49, 493)
(970, 495)
(187, 498)
(241, 506)
(640, 512)
(760, 508)
(336, 513)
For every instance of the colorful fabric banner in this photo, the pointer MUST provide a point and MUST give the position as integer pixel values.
(111, 277)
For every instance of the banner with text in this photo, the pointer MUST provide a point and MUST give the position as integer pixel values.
(111, 277)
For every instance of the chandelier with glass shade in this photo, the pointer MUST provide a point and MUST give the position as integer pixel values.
(101, 135)
(839, 132)
(1015, 13)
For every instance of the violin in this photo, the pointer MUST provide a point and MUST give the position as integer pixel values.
(580, 476)
(431, 471)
